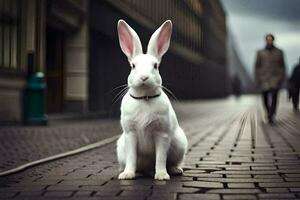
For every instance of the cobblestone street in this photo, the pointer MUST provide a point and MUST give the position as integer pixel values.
(233, 154)
(20, 145)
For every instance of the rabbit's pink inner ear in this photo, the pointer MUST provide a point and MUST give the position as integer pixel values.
(164, 39)
(126, 40)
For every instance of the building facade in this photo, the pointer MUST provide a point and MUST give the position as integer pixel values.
(241, 81)
(54, 33)
(195, 62)
(75, 44)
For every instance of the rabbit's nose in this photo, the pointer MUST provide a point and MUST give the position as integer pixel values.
(144, 78)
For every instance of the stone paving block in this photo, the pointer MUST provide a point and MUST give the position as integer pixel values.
(58, 193)
(136, 193)
(38, 183)
(116, 198)
(107, 193)
(280, 184)
(194, 171)
(199, 196)
(241, 159)
(264, 168)
(235, 191)
(296, 189)
(238, 175)
(202, 184)
(207, 175)
(139, 187)
(210, 163)
(271, 176)
(208, 168)
(277, 196)
(181, 178)
(286, 157)
(75, 176)
(6, 195)
(268, 180)
(244, 172)
(259, 164)
(22, 188)
(211, 157)
(241, 185)
(277, 190)
(239, 197)
(62, 188)
(241, 180)
(163, 196)
(288, 166)
(292, 163)
(100, 188)
(293, 179)
(83, 194)
(240, 167)
(263, 160)
(263, 156)
(288, 161)
(30, 193)
(49, 177)
(80, 182)
(148, 181)
(173, 189)
(292, 175)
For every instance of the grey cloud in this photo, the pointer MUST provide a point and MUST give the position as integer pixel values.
(250, 20)
(272, 9)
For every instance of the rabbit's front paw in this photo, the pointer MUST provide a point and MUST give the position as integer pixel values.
(162, 176)
(126, 175)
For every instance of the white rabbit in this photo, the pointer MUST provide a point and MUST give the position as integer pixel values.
(152, 138)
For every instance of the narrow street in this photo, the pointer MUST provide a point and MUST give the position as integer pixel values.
(233, 154)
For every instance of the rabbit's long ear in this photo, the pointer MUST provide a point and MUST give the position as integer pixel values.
(160, 40)
(129, 40)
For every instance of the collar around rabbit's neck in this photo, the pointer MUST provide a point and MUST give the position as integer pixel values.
(145, 97)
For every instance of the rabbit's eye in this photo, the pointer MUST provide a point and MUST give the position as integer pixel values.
(155, 66)
(133, 66)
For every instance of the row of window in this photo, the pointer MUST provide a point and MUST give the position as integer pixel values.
(188, 24)
(9, 33)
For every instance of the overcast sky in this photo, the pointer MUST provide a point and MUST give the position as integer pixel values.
(250, 20)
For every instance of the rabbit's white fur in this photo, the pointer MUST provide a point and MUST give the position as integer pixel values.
(152, 138)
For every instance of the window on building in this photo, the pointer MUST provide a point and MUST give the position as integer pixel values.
(9, 33)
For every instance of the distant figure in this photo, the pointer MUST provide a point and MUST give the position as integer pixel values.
(270, 74)
(294, 86)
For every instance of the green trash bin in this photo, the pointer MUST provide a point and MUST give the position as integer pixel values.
(34, 100)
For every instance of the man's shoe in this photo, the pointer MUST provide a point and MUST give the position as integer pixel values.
(271, 120)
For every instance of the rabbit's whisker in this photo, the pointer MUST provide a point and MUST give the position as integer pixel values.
(118, 95)
(169, 92)
(120, 86)
(121, 96)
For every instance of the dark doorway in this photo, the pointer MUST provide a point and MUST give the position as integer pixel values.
(108, 69)
(54, 70)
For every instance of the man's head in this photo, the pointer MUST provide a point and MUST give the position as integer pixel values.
(269, 39)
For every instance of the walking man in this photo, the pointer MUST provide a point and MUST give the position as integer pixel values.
(269, 75)
(294, 86)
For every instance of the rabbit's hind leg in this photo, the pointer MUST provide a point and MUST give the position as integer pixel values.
(121, 153)
(176, 153)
